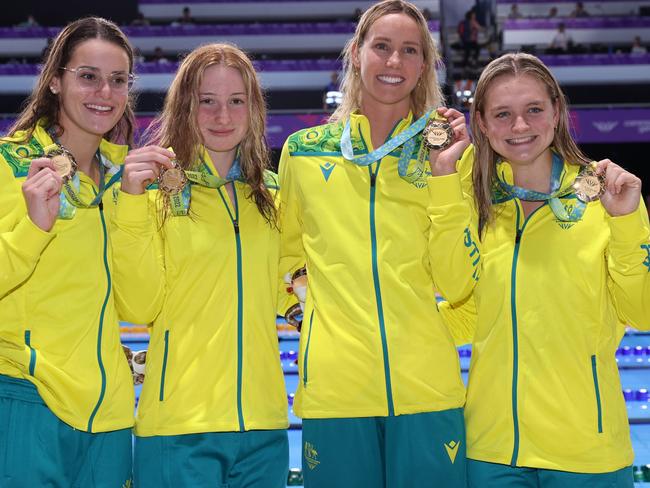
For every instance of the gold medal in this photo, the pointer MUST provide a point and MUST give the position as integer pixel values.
(64, 162)
(437, 134)
(172, 180)
(589, 186)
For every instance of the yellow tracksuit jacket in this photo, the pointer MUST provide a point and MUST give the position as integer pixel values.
(58, 320)
(372, 341)
(208, 283)
(548, 301)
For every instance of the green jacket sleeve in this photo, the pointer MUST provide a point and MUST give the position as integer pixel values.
(138, 261)
(454, 247)
(292, 255)
(628, 261)
(21, 241)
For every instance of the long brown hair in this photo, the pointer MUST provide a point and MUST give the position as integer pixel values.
(485, 158)
(42, 103)
(427, 92)
(177, 127)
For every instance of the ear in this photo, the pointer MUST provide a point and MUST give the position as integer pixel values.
(55, 85)
(355, 56)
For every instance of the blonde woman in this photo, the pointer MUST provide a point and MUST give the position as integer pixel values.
(66, 394)
(551, 252)
(204, 262)
(380, 391)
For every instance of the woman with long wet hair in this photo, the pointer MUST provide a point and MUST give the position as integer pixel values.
(201, 253)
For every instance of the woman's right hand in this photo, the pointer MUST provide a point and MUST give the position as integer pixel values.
(41, 191)
(142, 167)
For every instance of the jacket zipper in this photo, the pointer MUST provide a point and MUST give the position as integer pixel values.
(304, 362)
(375, 278)
(164, 367)
(240, 302)
(32, 352)
(101, 322)
(594, 372)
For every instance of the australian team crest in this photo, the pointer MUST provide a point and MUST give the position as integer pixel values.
(19, 155)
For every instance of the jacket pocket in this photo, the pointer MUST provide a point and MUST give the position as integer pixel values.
(594, 372)
(32, 352)
(305, 359)
(164, 367)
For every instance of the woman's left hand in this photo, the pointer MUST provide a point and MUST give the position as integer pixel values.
(444, 162)
(622, 189)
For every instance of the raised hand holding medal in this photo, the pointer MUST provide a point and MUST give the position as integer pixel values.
(143, 166)
(622, 189)
(446, 140)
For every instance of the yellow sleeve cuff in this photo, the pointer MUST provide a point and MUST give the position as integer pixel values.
(445, 190)
(132, 208)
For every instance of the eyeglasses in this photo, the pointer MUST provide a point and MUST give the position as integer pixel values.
(89, 78)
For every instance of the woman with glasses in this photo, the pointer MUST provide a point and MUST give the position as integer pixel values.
(201, 254)
(66, 391)
(549, 250)
(380, 391)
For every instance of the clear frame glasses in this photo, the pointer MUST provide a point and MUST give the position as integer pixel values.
(90, 78)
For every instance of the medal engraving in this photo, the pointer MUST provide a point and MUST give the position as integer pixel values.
(172, 180)
(64, 163)
(589, 186)
(437, 134)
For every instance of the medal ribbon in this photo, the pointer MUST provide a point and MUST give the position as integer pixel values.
(553, 198)
(180, 202)
(405, 138)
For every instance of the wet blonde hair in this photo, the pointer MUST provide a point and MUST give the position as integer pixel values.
(42, 103)
(485, 158)
(427, 92)
(177, 125)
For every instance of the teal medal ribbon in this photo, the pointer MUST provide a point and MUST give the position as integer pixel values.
(505, 192)
(405, 138)
(180, 202)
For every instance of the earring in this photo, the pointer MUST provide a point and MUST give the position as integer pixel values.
(54, 92)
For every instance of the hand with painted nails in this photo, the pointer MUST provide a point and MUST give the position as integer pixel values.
(41, 191)
(443, 162)
(142, 166)
(622, 189)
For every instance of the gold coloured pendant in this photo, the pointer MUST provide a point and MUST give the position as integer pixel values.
(437, 134)
(64, 162)
(589, 186)
(172, 180)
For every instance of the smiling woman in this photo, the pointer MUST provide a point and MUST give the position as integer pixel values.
(201, 253)
(386, 409)
(551, 268)
(65, 387)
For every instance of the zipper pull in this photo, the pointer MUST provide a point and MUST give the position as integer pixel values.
(373, 179)
(518, 236)
(235, 224)
(101, 206)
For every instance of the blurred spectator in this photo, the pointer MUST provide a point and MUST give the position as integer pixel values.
(140, 20)
(579, 11)
(159, 56)
(426, 13)
(552, 13)
(514, 12)
(30, 22)
(468, 30)
(562, 42)
(638, 48)
(357, 14)
(332, 96)
(186, 18)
